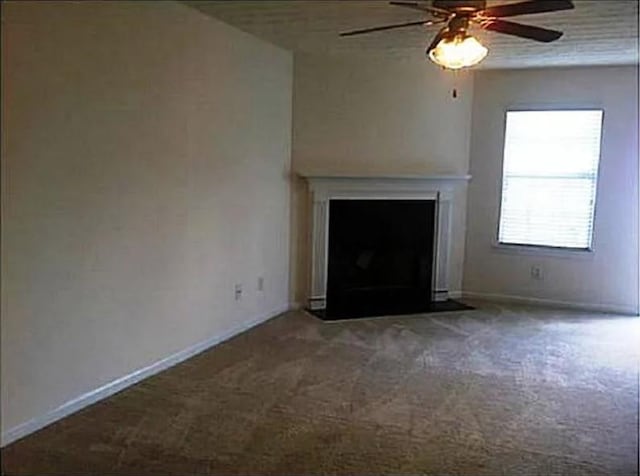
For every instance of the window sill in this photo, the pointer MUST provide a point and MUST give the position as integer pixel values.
(543, 251)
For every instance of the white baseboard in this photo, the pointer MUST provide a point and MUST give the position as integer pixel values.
(582, 306)
(455, 294)
(82, 401)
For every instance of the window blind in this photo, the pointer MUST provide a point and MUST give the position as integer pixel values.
(549, 179)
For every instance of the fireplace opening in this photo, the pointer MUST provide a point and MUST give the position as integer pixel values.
(380, 257)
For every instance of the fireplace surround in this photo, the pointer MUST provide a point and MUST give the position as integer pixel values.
(439, 189)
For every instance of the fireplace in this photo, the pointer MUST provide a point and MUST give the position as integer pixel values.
(380, 257)
(353, 276)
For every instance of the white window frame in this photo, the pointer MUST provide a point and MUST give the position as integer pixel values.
(547, 250)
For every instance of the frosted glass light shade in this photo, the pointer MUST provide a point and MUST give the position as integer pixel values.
(459, 51)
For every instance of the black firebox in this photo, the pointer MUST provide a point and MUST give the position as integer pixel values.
(380, 257)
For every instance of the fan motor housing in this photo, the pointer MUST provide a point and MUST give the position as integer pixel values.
(460, 5)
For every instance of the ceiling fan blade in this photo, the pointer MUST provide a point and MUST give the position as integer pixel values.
(423, 8)
(527, 8)
(523, 31)
(387, 27)
(436, 39)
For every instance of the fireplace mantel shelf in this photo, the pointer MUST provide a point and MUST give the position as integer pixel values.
(384, 177)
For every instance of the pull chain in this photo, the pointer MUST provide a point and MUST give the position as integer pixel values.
(454, 93)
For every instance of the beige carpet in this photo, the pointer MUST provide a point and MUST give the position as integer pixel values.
(499, 390)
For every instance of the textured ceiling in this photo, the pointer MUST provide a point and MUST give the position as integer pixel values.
(596, 32)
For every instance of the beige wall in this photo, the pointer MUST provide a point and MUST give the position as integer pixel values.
(146, 153)
(608, 277)
(366, 116)
(377, 116)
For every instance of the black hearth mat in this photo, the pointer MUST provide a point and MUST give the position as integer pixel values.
(443, 306)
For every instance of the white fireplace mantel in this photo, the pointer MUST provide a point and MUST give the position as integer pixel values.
(324, 188)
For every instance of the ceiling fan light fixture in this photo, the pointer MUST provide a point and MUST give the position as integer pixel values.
(458, 51)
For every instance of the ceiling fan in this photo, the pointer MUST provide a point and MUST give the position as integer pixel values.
(453, 47)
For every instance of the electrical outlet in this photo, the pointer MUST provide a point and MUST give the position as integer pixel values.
(536, 272)
(260, 284)
(238, 292)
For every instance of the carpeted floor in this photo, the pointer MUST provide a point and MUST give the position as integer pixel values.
(498, 390)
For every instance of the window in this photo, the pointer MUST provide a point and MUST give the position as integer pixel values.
(549, 178)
